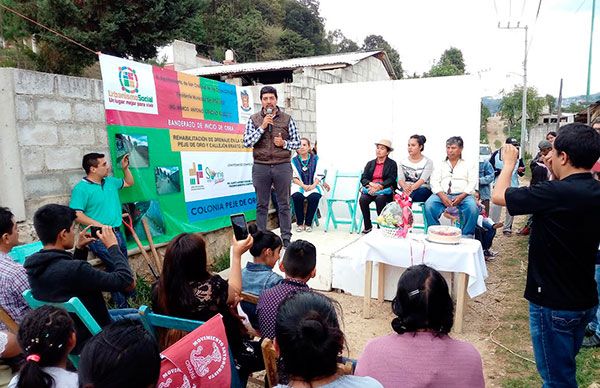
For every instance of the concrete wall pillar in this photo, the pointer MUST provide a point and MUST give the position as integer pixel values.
(11, 191)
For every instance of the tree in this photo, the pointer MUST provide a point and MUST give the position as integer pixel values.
(339, 43)
(451, 63)
(125, 28)
(302, 17)
(484, 116)
(576, 107)
(550, 102)
(511, 108)
(291, 45)
(376, 42)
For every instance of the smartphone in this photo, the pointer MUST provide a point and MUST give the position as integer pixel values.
(240, 227)
(94, 230)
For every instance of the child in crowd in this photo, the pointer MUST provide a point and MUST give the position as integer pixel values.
(124, 354)
(309, 340)
(46, 335)
(421, 353)
(56, 275)
(483, 220)
(299, 264)
(259, 276)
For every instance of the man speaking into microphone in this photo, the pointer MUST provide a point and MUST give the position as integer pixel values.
(273, 135)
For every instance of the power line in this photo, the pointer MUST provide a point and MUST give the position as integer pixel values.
(523, 9)
(49, 29)
(580, 5)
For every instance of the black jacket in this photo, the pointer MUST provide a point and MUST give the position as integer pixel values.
(390, 173)
(56, 275)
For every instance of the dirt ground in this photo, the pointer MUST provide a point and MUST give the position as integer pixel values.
(481, 316)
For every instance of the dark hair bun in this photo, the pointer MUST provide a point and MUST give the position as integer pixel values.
(423, 139)
(252, 229)
(313, 329)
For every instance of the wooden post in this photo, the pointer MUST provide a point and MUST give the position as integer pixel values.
(367, 292)
(380, 282)
(463, 280)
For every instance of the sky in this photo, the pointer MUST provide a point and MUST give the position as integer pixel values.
(558, 39)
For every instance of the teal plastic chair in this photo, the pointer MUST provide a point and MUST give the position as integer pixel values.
(420, 210)
(350, 199)
(21, 252)
(152, 320)
(73, 306)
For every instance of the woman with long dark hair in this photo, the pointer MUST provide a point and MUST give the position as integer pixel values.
(421, 353)
(187, 289)
(46, 335)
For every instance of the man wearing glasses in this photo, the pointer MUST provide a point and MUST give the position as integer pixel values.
(453, 181)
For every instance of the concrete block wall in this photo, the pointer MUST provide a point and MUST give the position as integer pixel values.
(57, 119)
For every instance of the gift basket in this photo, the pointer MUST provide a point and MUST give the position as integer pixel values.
(396, 218)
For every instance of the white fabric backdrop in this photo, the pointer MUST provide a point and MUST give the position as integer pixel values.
(352, 116)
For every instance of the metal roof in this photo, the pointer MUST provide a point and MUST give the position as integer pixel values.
(322, 61)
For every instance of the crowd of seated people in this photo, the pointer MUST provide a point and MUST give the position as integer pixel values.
(304, 324)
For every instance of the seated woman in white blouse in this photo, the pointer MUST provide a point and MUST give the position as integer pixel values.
(306, 185)
(415, 170)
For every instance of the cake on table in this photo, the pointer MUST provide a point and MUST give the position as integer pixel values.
(444, 234)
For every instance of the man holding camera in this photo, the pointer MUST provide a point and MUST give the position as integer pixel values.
(563, 244)
(519, 170)
(95, 200)
(273, 135)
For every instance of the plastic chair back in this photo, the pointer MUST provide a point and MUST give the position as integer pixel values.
(73, 306)
(345, 190)
(21, 252)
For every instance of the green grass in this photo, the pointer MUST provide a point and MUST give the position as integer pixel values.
(221, 262)
(514, 331)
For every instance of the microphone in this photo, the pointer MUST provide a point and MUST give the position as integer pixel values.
(269, 111)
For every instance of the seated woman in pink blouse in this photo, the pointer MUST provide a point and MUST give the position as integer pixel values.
(421, 353)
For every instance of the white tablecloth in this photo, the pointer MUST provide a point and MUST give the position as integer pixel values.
(466, 257)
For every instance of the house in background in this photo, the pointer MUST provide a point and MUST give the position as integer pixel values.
(295, 79)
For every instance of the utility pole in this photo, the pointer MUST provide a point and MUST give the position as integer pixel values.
(559, 106)
(589, 75)
(524, 102)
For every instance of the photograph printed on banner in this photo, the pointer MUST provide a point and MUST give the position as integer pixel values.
(134, 145)
(167, 180)
(150, 210)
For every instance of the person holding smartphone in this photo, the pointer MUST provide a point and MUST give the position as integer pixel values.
(95, 200)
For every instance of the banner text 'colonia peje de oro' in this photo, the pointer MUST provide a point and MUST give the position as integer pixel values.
(183, 135)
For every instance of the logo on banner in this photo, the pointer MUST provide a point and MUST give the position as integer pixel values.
(209, 363)
(214, 176)
(195, 174)
(128, 79)
(128, 86)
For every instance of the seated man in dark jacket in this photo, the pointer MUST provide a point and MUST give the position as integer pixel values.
(56, 275)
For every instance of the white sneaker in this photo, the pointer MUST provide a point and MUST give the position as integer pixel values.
(300, 228)
(308, 229)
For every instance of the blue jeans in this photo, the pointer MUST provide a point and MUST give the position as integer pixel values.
(557, 336)
(119, 298)
(594, 325)
(434, 207)
(119, 314)
(421, 194)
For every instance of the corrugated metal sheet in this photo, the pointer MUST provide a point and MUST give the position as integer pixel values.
(285, 64)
